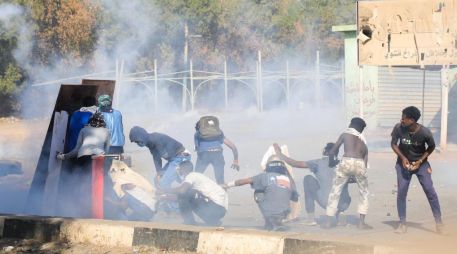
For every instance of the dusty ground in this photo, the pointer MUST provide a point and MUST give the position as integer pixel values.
(305, 133)
(16, 246)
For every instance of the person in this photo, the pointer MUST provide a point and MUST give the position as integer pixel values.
(274, 189)
(353, 163)
(413, 143)
(210, 151)
(79, 119)
(113, 119)
(270, 154)
(161, 147)
(200, 195)
(135, 197)
(317, 187)
(93, 140)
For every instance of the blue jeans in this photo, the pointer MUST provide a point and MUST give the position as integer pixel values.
(170, 175)
(425, 179)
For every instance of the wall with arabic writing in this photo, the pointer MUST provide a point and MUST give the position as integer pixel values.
(352, 84)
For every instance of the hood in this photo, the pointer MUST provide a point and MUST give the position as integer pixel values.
(138, 134)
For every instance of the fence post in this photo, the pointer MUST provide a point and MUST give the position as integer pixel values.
(156, 104)
(260, 81)
(192, 96)
(287, 84)
(225, 85)
(317, 84)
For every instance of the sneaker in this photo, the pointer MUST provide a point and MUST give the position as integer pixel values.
(402, 229)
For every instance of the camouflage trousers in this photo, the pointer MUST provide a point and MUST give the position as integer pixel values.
(346, 168)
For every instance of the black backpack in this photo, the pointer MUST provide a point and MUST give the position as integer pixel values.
(208, 128)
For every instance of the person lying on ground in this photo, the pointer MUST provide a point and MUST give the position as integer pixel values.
(354, 163)
(273, 191)
(200, 195)
(317, 187)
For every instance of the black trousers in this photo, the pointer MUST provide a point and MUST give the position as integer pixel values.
(194, 202)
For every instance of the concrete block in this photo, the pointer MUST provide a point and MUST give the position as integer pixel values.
(239, 242)
(44, 230)
(97, 233)
(176, 240)
(317, 247)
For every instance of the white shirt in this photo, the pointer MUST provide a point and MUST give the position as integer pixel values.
(208, 188)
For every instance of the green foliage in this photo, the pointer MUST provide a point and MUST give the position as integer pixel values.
(9, 80)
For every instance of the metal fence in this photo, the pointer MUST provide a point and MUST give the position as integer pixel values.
(318, 81)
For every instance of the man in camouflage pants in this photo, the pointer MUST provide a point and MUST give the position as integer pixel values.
(354, 163)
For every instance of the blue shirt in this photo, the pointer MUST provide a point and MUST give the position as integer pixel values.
(113, 122)
(77, 121)
(208, 145)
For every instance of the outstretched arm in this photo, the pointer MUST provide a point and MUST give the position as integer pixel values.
(235, 163)
(288, 160)
(238, 182)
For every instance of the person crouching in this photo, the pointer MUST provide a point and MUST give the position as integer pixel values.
(200, 195)
(274, 189)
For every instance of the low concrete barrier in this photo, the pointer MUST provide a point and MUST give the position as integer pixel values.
(172, 237)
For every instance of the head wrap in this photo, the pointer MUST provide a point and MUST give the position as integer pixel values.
(104, 100)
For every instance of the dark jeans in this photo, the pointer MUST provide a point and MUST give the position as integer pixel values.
(214, 158)
(425, 179)
(194, 202)
(311, 188)
(75, 188)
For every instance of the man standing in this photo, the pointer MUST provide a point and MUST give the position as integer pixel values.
(208, 144)
(200, 195)
(274, 189)
(317, 187)
(413, 143)
(354, 163)
(113, 120)
(161, 147)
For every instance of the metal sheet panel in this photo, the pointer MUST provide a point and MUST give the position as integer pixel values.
(403, 87)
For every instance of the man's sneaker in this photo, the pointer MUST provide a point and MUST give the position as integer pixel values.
(402, 229)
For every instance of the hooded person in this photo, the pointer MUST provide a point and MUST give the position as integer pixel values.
(273, 191)
(113, 120)
(161, 147)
